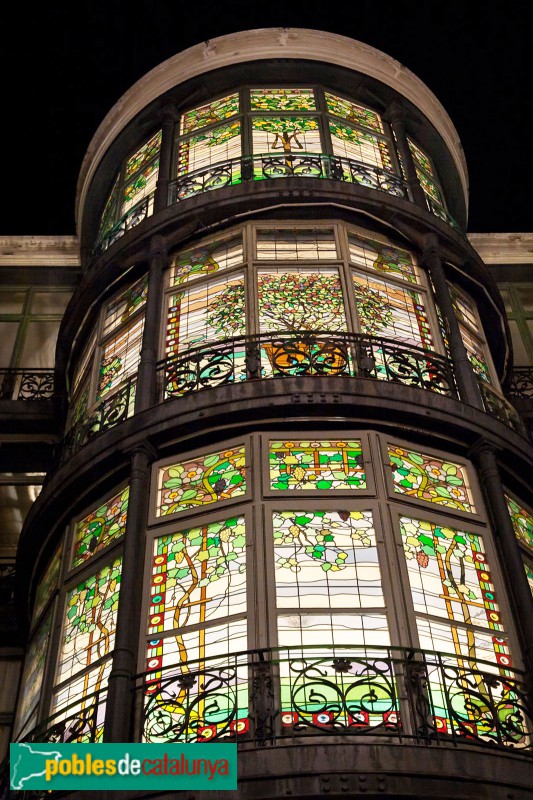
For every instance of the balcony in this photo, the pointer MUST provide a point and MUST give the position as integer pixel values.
(26, 384)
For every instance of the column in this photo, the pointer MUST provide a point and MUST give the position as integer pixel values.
(146, 377)
(396, 116)
(165, 159)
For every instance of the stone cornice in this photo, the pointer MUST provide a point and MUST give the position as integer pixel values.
(39, 251)
(503, 248)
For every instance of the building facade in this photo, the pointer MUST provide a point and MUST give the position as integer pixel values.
(284, 456)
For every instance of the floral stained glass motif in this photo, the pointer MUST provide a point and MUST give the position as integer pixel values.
(381, 257)
(124, 306)
(140, 187)
(97, 530)
(427, 477)
(47, 585)
(285, 136)
(201, 481)
(282, 100)
(210, 147)
(316, 465)
(120, 358)
(291, 300)
(426, 174)
(143, 155)
(32, 676)
(213, 257)
(359, 145)
(387, 310)
(284, 244)
(90, 621)
(522, 522)
(217, 111)
(352, 112)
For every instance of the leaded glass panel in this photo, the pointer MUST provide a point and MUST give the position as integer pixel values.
(216, 111)
(213, 257)
(316, 465)
(427, 477)
(84, 698)
(286, 135)
(284, 244)
(143, 155)
(120, 358)
(282, 100)
(48, 584)
(143, 185)
(353, 112)
(300, 300)
(108, 217)
(209, 147)
(381, 257)
(476, 354)
(359, 145)
(126, 304)
(32, 675)
(201, 481)
(97, 530)
(522, 522)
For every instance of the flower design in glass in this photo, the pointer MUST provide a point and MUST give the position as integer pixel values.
(145, 154)
(352, 112)
(101, 527)
(284, 244)
(201, 481)
(120, 358)
(198, 580)
(320, 465)
(427, 477)
(358, 145)
(282, 100)
(208, 114)
(522, 522)
(126, 304)
(426, 174)
(141, 186)
(32, 676)
(47, 585)
(211, 146)
(213, 257)
(381, 257)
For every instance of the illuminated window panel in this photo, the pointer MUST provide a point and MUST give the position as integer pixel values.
(529, 575)
(143, 155)
(449, 574)
(359, 145)
(120, 358)
(142, 186)
(83, 698)
(381, 257)
(464, 308)
(102, 526)
(427, 477)
(390, 311)
(352, 112)
(293, 245)
(282, 100)
(476, 354)
(208, 114)
(285, 136)
(292, 300)
(48, 584)
(198, 575)
(213, 311)
(522, 522)
(90, 620)
(430, 188)
(124, 306)
(213, 257)
(202, 481)
(332, 634)
(32, 675)
(108, 217)
(195, 690)
(426, 174)
(83, 365)
(210, 147)
(326, 559)
(319, 465)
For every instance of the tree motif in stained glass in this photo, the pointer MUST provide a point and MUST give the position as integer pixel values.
(522, 522)
(143, 155)
(48, 584)
(32, 675)
(282, 100)
(102, 526)
(428, 477)
(359, 145)
(201, 481)
(143, 185)
(298, 244)
(319, 465)
(375, 255)
(300, 300)
(124, 306)
(90, 621)
(211, 147)
(353, 112)
(213, 257)
(286, 135)
(120, 358)
(216, 111)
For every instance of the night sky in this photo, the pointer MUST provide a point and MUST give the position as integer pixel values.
(65, 66)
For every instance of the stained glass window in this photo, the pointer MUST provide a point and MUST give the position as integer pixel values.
(209, 147)
(285, 244)
(293, 300)
(101, 527)
(529, 575)
(285, 135)
(120, 358)
(522, 522)
(32, 675)
(353, 112)
(140, 187)
(90, 621)
(465, 312)
(201, 481)
(428, 477)
(426, 175)
(387, 310)
(282, 100)
(359, 145)
(381, 257)
(319, 465)
(48, 584)
(84, 697)
(213, 257)
(216, 111)
(109, 213)
(145, 154)
(126, 304)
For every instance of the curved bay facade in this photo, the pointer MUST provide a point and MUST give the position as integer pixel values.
(290, 507)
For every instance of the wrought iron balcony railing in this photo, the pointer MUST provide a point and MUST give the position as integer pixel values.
(26, 384)
(521, 385)
(500, 408)
(142, 210)
(302, 353)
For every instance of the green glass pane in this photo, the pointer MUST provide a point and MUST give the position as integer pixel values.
(522, 522)
(282, 100)
(213, 257)
(316, 465)
(382, 257)
(48, 584)
(217, 111)
(429, 478)
(143, 155)
(353, 112)
(101, 527)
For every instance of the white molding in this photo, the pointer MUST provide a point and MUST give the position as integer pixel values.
(236, 48)
(503, 248)
(39, 251)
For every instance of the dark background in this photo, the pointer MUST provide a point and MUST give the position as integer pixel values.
(64, 66)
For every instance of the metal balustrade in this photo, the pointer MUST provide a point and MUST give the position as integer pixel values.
(26, 383)
(521, 384)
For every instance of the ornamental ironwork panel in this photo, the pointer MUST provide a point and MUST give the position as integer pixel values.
(500, 408)
(26, 384)
(521, 384)
(129, 220)
(82, 721)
